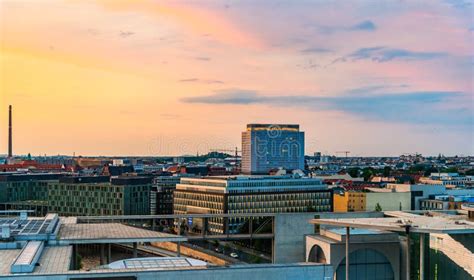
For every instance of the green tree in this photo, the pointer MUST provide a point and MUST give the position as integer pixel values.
(470, 172)
(378, 208)
(367, 173)
(386, 171)
(79, 262)
(353, 172)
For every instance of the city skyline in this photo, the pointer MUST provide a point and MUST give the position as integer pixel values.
(161, 78)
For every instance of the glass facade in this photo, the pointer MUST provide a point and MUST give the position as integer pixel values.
(366, 264)
(94, 199)
(249, 194)
(266, 147)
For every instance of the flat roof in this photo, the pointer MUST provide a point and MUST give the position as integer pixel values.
(55, 259)
(357, 231)
(420, 224)
(111, 233)
(7, 257)
(27, 202)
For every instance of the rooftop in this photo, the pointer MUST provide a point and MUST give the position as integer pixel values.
(261, 126)
(110, 233)
(411, 223)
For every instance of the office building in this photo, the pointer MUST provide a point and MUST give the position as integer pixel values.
(26, 191)
(271, 146)
(161, 197)
(249, 194)
(100, 195)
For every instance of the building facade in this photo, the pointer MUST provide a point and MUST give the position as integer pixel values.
(249, 194)
(26, 191)
(100, 195)
(161, 199)
(351, 201)
(269, 146)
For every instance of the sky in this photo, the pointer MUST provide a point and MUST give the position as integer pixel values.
(148, 77)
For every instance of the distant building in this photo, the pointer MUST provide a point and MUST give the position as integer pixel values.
(100, 195)
(350, 201)
(421, 192)
(249, 194)
(161, 200)
(117, 170)
(448, 180)
(445, 202)
(270, 146)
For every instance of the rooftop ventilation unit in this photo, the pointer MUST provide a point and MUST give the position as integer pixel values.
(5, 231)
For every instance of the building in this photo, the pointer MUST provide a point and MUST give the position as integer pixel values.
(429, 245)
(421, 192)
(448, 180)
(26, 191)
(161, 197)
(417, 191)
(349, 201)
(445, 202)
(249, 194)
(272, 146)
(100, 195)
(367, 201)
(374, 254)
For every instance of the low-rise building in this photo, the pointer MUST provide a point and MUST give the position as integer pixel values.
(350, 201)
(445, 202)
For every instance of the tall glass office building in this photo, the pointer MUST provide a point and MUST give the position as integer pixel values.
(269, 146)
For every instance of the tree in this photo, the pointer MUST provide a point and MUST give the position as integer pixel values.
(378, 208)
(353, 172)
(367, 173)
(386, 171)
(470, 172)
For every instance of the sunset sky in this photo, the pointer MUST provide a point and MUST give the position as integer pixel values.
(144, 77)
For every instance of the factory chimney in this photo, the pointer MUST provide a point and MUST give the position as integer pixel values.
(10, 140)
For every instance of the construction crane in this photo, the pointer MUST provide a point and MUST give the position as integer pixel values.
(343, 152)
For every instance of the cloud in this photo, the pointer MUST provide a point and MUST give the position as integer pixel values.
(204, 81)
(460, 4)
(227, 97)
(365, 25)
(125, 34)
(203, 58)
(166, 116)
(418, 107)
(384, 54)
(316, 50)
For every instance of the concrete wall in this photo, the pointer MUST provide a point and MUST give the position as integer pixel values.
(291, 229)
(247, 272)
(335, 252)
(388, 201)
(290, 232)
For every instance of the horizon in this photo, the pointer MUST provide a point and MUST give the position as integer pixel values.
(146, 78)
